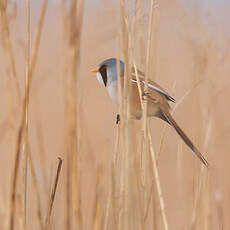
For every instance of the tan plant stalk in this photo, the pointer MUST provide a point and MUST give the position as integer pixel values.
(8, 46)
(15, 173)
(35, 48)
(145, 102)
(107, 212)
(124, 183)
(72, 103)
(22, 133)
(157, 181)
(9, 64)
(35, 184)
(26, 108)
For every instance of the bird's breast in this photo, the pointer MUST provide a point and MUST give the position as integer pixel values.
(113, 91)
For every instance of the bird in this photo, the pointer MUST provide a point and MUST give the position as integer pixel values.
(158, 98)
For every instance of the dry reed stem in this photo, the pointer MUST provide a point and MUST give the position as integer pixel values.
(207, 217)
(157, 180)
(72, 103)
(35, 184)
(22, 127)
(9, 67)
(145, 214)
(145, 102)
(6, 36)
(15, 172)
(26, 108)
(97, 223)
(37, 39)
(116, 153)
(124, 183)
(107, 211)
(53, 193)
(115, 164)
(41, 148)
(149, 202)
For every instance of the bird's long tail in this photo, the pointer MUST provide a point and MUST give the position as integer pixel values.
(167, 116)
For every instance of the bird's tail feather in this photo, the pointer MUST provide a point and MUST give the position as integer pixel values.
(167, 116)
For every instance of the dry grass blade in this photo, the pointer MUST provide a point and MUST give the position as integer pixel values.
(52, 197)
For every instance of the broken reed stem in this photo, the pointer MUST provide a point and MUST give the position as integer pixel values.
(157, 180)
(53, 193)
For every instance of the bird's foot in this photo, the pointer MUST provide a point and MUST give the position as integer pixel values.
(146, 96)
(118, 119)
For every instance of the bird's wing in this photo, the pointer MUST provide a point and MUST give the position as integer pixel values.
(151, 84)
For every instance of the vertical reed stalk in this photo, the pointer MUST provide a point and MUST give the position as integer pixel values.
(7, 46)
(35, 185)
(157, 181)
(72, 103)
(27, 87)
(145, 102)
(124, 185)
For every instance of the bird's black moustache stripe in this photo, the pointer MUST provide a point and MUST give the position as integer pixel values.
(103, 72)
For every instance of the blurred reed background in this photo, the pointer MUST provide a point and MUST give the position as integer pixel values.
(136, 175)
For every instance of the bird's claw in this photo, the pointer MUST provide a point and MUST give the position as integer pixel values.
(145, 95)
(118, 119)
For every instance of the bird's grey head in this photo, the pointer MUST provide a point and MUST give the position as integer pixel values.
(107, 71)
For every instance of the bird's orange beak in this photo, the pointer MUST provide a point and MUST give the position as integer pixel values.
(95, 70)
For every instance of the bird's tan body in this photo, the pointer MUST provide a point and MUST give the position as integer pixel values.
(157, 102)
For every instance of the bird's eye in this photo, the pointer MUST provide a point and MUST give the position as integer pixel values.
(103, 72)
